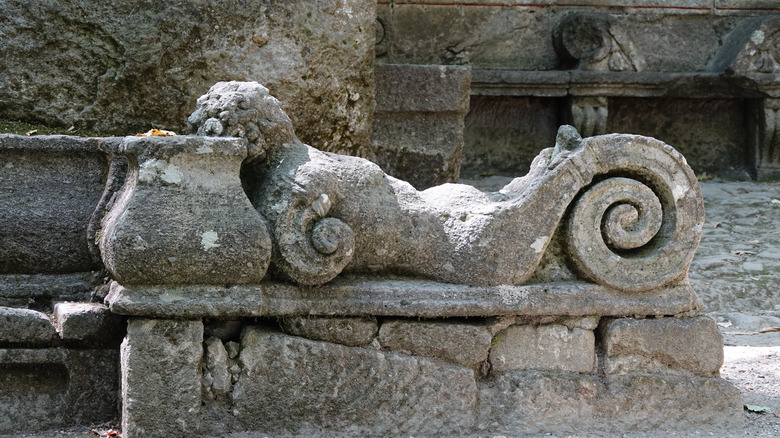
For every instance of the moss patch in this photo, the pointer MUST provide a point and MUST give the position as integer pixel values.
(23, 128)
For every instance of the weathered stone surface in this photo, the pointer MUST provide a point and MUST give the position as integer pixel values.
(26, 327)
(485, 35)
(182, 217)
(584, 322)
(550, 347)
(290, 385)
(457, 342)
(216, 377)
(161, 379)
(347, 331)
(88, 322)
(122, 66)
(51, 186)
(534, 402)
(681, 403)
(595, 41)
(749, 47)
(417, 134)
(48, 388)
(502, 134)
(658, 345)
(22, 290)
(334, 213)
(360, 295)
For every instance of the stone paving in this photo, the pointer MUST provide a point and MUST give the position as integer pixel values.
(737, 265)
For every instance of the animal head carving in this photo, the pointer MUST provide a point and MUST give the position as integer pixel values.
(242, 109)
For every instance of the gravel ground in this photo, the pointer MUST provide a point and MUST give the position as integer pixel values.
(736, 272)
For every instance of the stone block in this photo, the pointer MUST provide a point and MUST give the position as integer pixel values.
(216, 377)
(353, 331)
(653, 402)
(552, 347)
(291, 385)
(418, 121)
(56, 388)
(161, 378)
(26, 327)
(52, 185)
(532, 402)
(88, 322)
(131, 68)
(663, 345)
(40, 290)
(460, 343)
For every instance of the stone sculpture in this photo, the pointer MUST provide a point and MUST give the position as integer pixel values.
(258, 277)
(631, 206)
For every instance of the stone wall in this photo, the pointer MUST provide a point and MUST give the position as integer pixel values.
(697, 74)
(450, 377)
(126, 66)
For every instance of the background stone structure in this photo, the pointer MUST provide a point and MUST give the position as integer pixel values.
(122, 67)
(697, 74)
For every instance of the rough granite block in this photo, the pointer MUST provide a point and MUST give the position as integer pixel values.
(90, 322)
(459, 343)
(663, 345)
(24, 326)
(161, 389)
(519, 403)
(353, 331)
(291, 385)
(46, 388)
(551, 347)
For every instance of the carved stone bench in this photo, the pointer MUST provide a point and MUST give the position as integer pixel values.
(272, 288)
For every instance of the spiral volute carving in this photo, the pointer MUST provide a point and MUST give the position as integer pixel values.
(621, 235)
(312, 249)
(636, 227)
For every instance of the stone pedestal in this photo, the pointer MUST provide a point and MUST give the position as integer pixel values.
(492, 366)
(418, 121)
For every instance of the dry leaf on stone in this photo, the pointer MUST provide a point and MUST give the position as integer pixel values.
(770, 330)
(757, 409)
(156, 133)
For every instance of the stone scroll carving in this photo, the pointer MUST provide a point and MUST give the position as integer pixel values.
(629, 207)
(595, 41)
(754, 47)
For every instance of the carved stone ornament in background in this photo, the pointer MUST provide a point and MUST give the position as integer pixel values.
(635, 207)
(595, 41)
(755, 47)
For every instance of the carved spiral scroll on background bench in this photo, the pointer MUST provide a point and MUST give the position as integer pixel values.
(637, 227)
